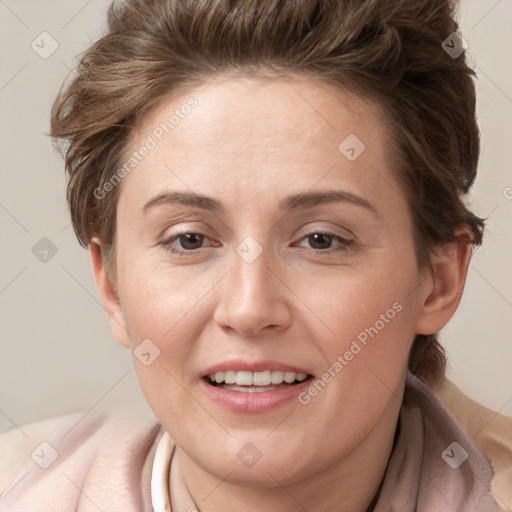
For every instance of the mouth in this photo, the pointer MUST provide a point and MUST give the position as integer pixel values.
(255, 382)
(244, 386)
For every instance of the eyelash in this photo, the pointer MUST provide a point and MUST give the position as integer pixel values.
(344, 244)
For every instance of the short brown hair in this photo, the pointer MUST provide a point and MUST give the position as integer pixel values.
(388, 50)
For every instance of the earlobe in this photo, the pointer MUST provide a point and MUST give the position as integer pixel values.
(450, 266)
(108, 293)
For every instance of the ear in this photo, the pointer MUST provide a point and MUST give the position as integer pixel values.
(446, 283)
(108, 294)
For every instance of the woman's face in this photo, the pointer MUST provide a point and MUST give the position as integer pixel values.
(263, 231)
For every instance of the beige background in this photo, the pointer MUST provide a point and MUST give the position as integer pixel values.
(57, 353)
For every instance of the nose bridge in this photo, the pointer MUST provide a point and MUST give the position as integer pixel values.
(251, 296)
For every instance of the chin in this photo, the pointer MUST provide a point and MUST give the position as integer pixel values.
(260, 463)
(264, 474)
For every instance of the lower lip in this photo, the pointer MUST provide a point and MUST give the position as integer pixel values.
(239, 401)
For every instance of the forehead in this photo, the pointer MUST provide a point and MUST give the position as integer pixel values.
(276, 109)
(246, 133)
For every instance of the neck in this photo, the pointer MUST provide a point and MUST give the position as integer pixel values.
(350, 485)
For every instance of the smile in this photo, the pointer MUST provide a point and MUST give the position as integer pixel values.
(255, 382)
(244, 391)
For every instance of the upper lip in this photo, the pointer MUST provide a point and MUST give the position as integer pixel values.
(254, 366)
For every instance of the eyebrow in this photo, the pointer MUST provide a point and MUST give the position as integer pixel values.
(293, 202)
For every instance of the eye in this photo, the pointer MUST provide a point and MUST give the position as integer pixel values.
(190, 242)
(187, 242)
(322, 242)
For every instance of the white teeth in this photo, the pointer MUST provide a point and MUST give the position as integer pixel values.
(277, 377)
(261, 378)
(243, 379)
(289, 377)
(251, 389)
(265, 378)
(229, 377)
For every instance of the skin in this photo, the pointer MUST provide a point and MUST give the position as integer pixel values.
(249, 144)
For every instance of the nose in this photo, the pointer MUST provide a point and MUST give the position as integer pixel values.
(254, 297)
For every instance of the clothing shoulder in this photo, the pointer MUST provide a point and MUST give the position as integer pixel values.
(489, 430)
(18, 444)
(102, 450)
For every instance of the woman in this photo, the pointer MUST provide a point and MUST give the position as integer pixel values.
(272, 196)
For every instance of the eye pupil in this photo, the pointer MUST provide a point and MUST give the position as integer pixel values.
(322, 239)
(190, 241)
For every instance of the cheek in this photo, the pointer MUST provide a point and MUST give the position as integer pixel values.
(165, 311)
(158, 300)
(347, 301)
(366, 331)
